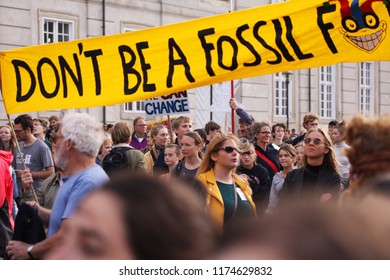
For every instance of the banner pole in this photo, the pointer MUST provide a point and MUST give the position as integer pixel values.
(232, 8)
(170, 129)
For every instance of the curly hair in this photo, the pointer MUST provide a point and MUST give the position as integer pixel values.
(369, 153)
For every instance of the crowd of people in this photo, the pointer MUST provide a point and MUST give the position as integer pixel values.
(76, 189)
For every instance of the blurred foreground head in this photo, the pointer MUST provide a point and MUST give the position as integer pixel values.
(305, 231)
(138, 217)
(369, 154)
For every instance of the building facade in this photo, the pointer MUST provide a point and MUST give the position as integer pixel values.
(333, 92)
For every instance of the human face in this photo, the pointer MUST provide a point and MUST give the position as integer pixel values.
(279, 133)
(264, 135)
(242, 133)
(300, 153)
(184, 127)
(285, 159)
(188, 147)
(53, 122)
(60, 158)
(248, 159)
(336, 136)
(96, 231)
(170, 157)
(225, 160)
(212, 133)
(312, 124)
(162, 138)
(106, 148)
(140, 127)
(5, 134)
(20, 132)
(315, 151)
(37, 128)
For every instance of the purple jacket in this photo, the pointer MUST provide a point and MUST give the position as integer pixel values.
(137, 145)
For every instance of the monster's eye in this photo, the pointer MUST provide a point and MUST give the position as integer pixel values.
(350, 24)
(371, 20)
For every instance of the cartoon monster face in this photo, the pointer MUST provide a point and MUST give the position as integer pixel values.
(367, 38)
(361, 27)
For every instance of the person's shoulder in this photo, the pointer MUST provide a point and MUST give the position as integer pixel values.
(135, 152)
(259, 168)
(41, 144)
(95, 174)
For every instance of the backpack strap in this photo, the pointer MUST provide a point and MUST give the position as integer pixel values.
(179, 168)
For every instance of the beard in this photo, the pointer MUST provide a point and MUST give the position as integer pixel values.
(61, 160)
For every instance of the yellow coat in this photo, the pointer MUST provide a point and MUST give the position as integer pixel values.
(214, 197)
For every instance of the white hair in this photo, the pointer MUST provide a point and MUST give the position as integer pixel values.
(84, 131)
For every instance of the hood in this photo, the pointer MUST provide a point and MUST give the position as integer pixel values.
(6, 156)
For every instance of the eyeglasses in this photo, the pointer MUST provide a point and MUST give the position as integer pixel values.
(265, 132)
(316, 141)
(247, 153)
(229, 149)
(18, 131)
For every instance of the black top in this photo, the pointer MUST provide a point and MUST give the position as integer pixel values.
(272, 154)
(327, 181)
(260, 184)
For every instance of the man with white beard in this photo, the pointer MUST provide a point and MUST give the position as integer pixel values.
(76, 145)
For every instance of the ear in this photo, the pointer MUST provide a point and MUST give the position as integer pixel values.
(214, 156)
(68, 145)
(326, 150)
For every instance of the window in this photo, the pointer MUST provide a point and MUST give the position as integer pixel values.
(281, 99)
(327, 92)
(134, 107)
(57, 31)
(366, 89)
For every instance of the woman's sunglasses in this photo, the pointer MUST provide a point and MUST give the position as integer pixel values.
(229, 149)
(316, 141)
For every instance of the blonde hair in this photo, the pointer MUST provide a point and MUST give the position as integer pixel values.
(330, 157)
(12, 141)
(213, 147)
(246, 146)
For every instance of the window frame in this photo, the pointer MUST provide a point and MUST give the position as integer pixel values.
(57, 21)
(366, 101)
(327, 92)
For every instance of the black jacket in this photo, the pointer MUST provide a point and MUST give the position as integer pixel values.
(328, 181)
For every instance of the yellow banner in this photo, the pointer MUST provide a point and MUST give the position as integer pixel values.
(158, 61)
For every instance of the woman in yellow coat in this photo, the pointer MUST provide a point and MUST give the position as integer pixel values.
(229, 197)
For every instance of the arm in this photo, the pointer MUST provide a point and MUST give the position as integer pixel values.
(273, 199)
(17, 250)
(246, 118)
(48, 171)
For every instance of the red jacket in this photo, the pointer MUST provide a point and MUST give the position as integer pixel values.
(6, 182)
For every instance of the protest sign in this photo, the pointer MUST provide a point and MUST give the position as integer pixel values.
(144, 64)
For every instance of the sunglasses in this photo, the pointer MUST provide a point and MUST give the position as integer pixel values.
(229, 149)
(316, 141)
